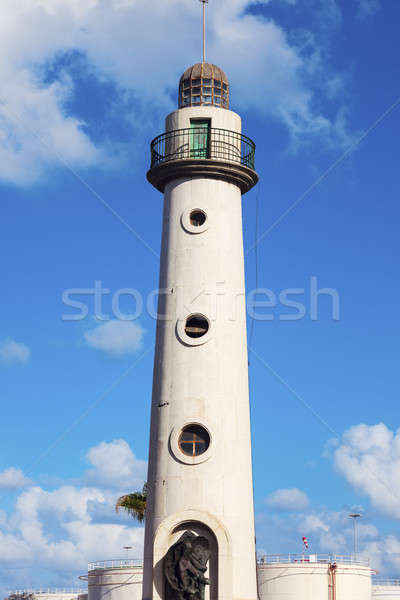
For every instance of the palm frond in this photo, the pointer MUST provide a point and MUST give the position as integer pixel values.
(134, 504)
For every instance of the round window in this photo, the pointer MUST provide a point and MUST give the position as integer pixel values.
(196, 326)
(194, 440)
(197, 218)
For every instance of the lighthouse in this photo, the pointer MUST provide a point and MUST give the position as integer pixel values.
(199, 538)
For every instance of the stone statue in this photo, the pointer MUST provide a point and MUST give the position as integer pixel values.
(184, 568)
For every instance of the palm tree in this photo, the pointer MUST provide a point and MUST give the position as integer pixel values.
(134, 504)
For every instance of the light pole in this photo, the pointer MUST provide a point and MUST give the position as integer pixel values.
(127, 548)
(355, 516)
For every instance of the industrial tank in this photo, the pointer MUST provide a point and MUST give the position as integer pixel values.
(48, 594)
(115, 580)
(386, 589)
(313, 577)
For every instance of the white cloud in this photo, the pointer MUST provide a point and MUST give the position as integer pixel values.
(36, 129)
(55, 530)
(328, 531)
(54, 534)
(314, 524)
(115, 466)
(332, 531)
(369, 458)
(288, 499)
(385, 555)
(275, 83)
(117, 338)
(12, 351)
(367, 8)
(13, 479)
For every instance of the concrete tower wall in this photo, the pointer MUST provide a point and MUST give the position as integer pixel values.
(202, 381)
(220, 119)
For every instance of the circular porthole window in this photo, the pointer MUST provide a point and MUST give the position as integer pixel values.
(194, 330)
(197, 218)
(194, 440)
(196, 326)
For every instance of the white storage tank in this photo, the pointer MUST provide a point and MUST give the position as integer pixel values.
(313, 577)
(115, 580)
(386, 589)
(48, 594)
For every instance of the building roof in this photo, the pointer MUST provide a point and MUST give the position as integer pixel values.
(206, 70)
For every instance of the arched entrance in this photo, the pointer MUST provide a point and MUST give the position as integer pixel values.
(220, 565)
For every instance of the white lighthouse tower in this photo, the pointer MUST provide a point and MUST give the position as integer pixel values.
(199, 540)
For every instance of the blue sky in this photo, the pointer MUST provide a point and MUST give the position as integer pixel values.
(86, 87)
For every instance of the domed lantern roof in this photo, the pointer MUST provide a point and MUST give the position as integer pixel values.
(204, 84)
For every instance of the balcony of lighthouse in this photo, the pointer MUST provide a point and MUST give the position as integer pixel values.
(118, 579)
(203, 152)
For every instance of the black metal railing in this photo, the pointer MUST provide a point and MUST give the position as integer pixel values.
(202, 143)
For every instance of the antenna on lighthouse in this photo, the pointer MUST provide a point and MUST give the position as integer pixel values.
(204, 2)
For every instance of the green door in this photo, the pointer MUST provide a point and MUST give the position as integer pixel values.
(199, 138)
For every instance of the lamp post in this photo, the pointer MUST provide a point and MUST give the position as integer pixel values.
(127, 548)
(355, 516)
